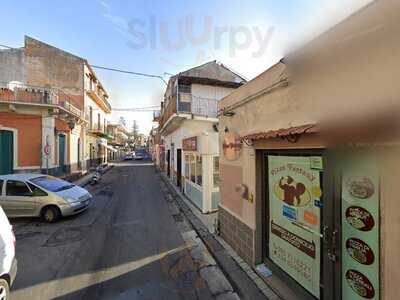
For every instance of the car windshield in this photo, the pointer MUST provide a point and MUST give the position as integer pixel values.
(52, 184)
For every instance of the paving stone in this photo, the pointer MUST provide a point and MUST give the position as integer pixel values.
(216, 281)
(212, 243)
(228, 296)
(245, 287)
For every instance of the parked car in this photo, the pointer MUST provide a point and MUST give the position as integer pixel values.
(129, 156)
(8, 262)
(38, 195)
(139, 155)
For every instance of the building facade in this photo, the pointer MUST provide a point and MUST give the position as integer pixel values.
(119, 141)
(188, 127)
(308, 193)
(97, 113)
(43, 121)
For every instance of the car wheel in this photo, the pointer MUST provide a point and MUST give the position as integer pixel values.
(4, 289)
(50, 214)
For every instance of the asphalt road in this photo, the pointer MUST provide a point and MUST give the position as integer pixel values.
(125, 246)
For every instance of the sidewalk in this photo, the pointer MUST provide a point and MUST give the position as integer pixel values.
(245, 281)
(85, 179)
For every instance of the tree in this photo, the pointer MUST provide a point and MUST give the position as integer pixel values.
(135, 129)
(122, 121)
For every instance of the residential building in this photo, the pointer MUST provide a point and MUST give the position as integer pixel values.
(188, 126)
(44, 98)
(97, 113)
(119, 141)
(41, 109)
(309, 157)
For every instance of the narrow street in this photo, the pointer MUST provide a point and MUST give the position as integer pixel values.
(125, 246)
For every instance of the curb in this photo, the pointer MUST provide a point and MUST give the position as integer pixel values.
(239, 279)
(89, 176)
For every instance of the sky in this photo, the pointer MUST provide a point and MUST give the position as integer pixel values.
(167, 37)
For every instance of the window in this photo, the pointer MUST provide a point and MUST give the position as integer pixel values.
(187, 173)
(199, 170)
(98, 122)
(216, 171)
(90, 117)
(105, 125)
(52, 184)
(184, 88)
(36, 192)
(192, 164)
(17, 188)
(1, 187)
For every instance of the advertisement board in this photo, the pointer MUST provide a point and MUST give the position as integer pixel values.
(360, 233)
(295, 218)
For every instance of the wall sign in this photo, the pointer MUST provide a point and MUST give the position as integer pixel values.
(232, 146)
(360, 231)
(189, 144)
(294, 239)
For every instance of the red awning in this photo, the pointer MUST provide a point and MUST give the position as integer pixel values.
(281, 133)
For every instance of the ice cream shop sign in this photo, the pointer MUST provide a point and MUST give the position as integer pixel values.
(232, 146)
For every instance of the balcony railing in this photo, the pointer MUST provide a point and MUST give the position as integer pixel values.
(27, 94)
(189, 104)
(98, 97)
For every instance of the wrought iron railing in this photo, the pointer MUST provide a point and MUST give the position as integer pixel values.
(28, 94)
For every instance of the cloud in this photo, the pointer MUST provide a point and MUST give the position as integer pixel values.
(105, 4)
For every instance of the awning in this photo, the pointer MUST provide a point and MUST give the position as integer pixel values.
(281, 133)
(104, 144)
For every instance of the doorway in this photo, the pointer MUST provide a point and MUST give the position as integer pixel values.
(298, 241)
(168, 163)
(6, 152)
(179, 167)
(61, 155)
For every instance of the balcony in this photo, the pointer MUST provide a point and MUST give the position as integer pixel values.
(188, 104)
(22, 94)
(98, 97)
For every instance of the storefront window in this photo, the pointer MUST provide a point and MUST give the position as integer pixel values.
(187, 166)
(192, 164)
(199, 170)
(216, 171)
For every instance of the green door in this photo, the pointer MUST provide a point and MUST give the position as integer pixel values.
(6, 152)
(61, 156)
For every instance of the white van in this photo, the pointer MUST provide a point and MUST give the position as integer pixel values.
(8, 263)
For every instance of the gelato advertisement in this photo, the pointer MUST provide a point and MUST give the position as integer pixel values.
(360, 233)
(294, 206)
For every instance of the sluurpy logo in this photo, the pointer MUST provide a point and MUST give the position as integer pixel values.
(191, 31)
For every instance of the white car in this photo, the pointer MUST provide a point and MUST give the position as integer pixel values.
(8, 263)
(38, 195)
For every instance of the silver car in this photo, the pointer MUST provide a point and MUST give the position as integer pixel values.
(38, 195)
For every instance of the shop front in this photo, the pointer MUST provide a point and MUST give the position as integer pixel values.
(317, 219)
(200, 177)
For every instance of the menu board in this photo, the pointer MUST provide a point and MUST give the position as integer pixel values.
(360, 233)
(294, 207)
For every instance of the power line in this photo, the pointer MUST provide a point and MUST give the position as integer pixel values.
(4, 46)
(114, 69)
(130, 72)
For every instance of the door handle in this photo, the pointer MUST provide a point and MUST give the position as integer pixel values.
(325, 234)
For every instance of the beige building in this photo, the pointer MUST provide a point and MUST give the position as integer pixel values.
(97, 113)
(187, 124)
(309, 157)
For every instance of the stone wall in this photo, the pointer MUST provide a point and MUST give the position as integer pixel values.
(237, 234)
(49, 66)
(12, 66)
